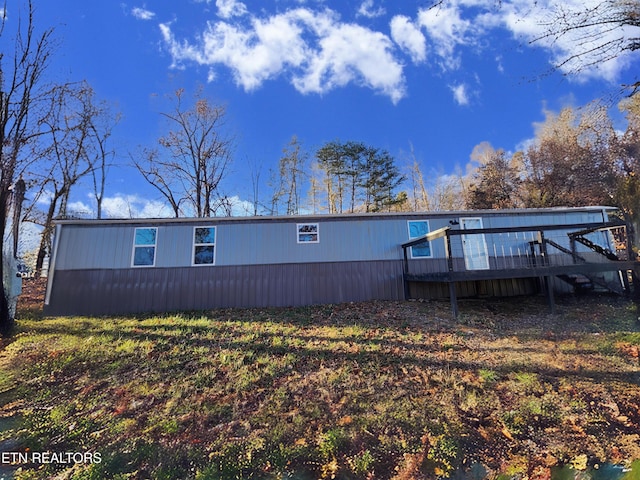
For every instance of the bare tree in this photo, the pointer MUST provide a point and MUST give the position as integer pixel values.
(495, 184)
(316, 190)
(419, 194)
(434, 190)
(419, 200)
(160, 174)
(255, 171)
(598, 33)
(290, 177)
(101, 129)
(330, 162)
(75, 133)
(449, 191)
(20, 96)
(627, 152)
(193, 159)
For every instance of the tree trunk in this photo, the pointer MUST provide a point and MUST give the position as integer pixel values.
(6, 319)
(45, 239)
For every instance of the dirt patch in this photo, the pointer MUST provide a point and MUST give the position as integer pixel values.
(31, 299)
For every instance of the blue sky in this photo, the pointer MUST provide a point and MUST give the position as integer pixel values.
(394, 75)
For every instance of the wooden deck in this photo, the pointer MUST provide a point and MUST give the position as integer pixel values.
(533, 261)
(543, 271)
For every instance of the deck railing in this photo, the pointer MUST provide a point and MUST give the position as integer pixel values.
(514, 248)
(540, 251)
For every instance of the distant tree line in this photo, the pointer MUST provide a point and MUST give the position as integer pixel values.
(577, 158)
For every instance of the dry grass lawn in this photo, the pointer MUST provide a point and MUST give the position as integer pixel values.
(374, 390)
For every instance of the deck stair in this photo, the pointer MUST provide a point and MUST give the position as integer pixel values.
(580, 283)
(587, 282)
(580, 238)
(584, 283)
(611, 286)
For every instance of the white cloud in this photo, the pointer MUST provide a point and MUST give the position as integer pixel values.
(268, 49)
(460, 94)
(121, 206)
(240, 207)
(447, 30)
(29, 238)
(124, 206)
(313, 49)
(142, 13)
(409, 37)
(44, 198)
(117, 206)
(351, 53)
(134, 206)
(367, 9)
(230, 8)
(80, 209)
(316, 51)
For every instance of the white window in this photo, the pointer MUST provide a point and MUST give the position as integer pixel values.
(204, 245)
(419, 228)
(308, 232)
(144, 247)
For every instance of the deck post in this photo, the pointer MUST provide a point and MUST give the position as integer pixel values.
(628, 256)
(453, 297)
(532, 247)
(635, 280)
(624, 275)
(405, 271)
(574, 250)
(543, 249)
(447, 250)
(546, 281)
(550, 298)
(405, 265)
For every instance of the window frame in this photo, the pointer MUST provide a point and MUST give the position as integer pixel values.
(311, 233)
(430, 255)
(207, 244)
(136, 246)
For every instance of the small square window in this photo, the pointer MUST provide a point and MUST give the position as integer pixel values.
(308, 233)
(144, 247)
(419, 228)
(204, 245)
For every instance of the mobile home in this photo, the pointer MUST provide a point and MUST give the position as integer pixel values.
(101, 267)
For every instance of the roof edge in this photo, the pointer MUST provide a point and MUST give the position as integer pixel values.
(326, 216)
